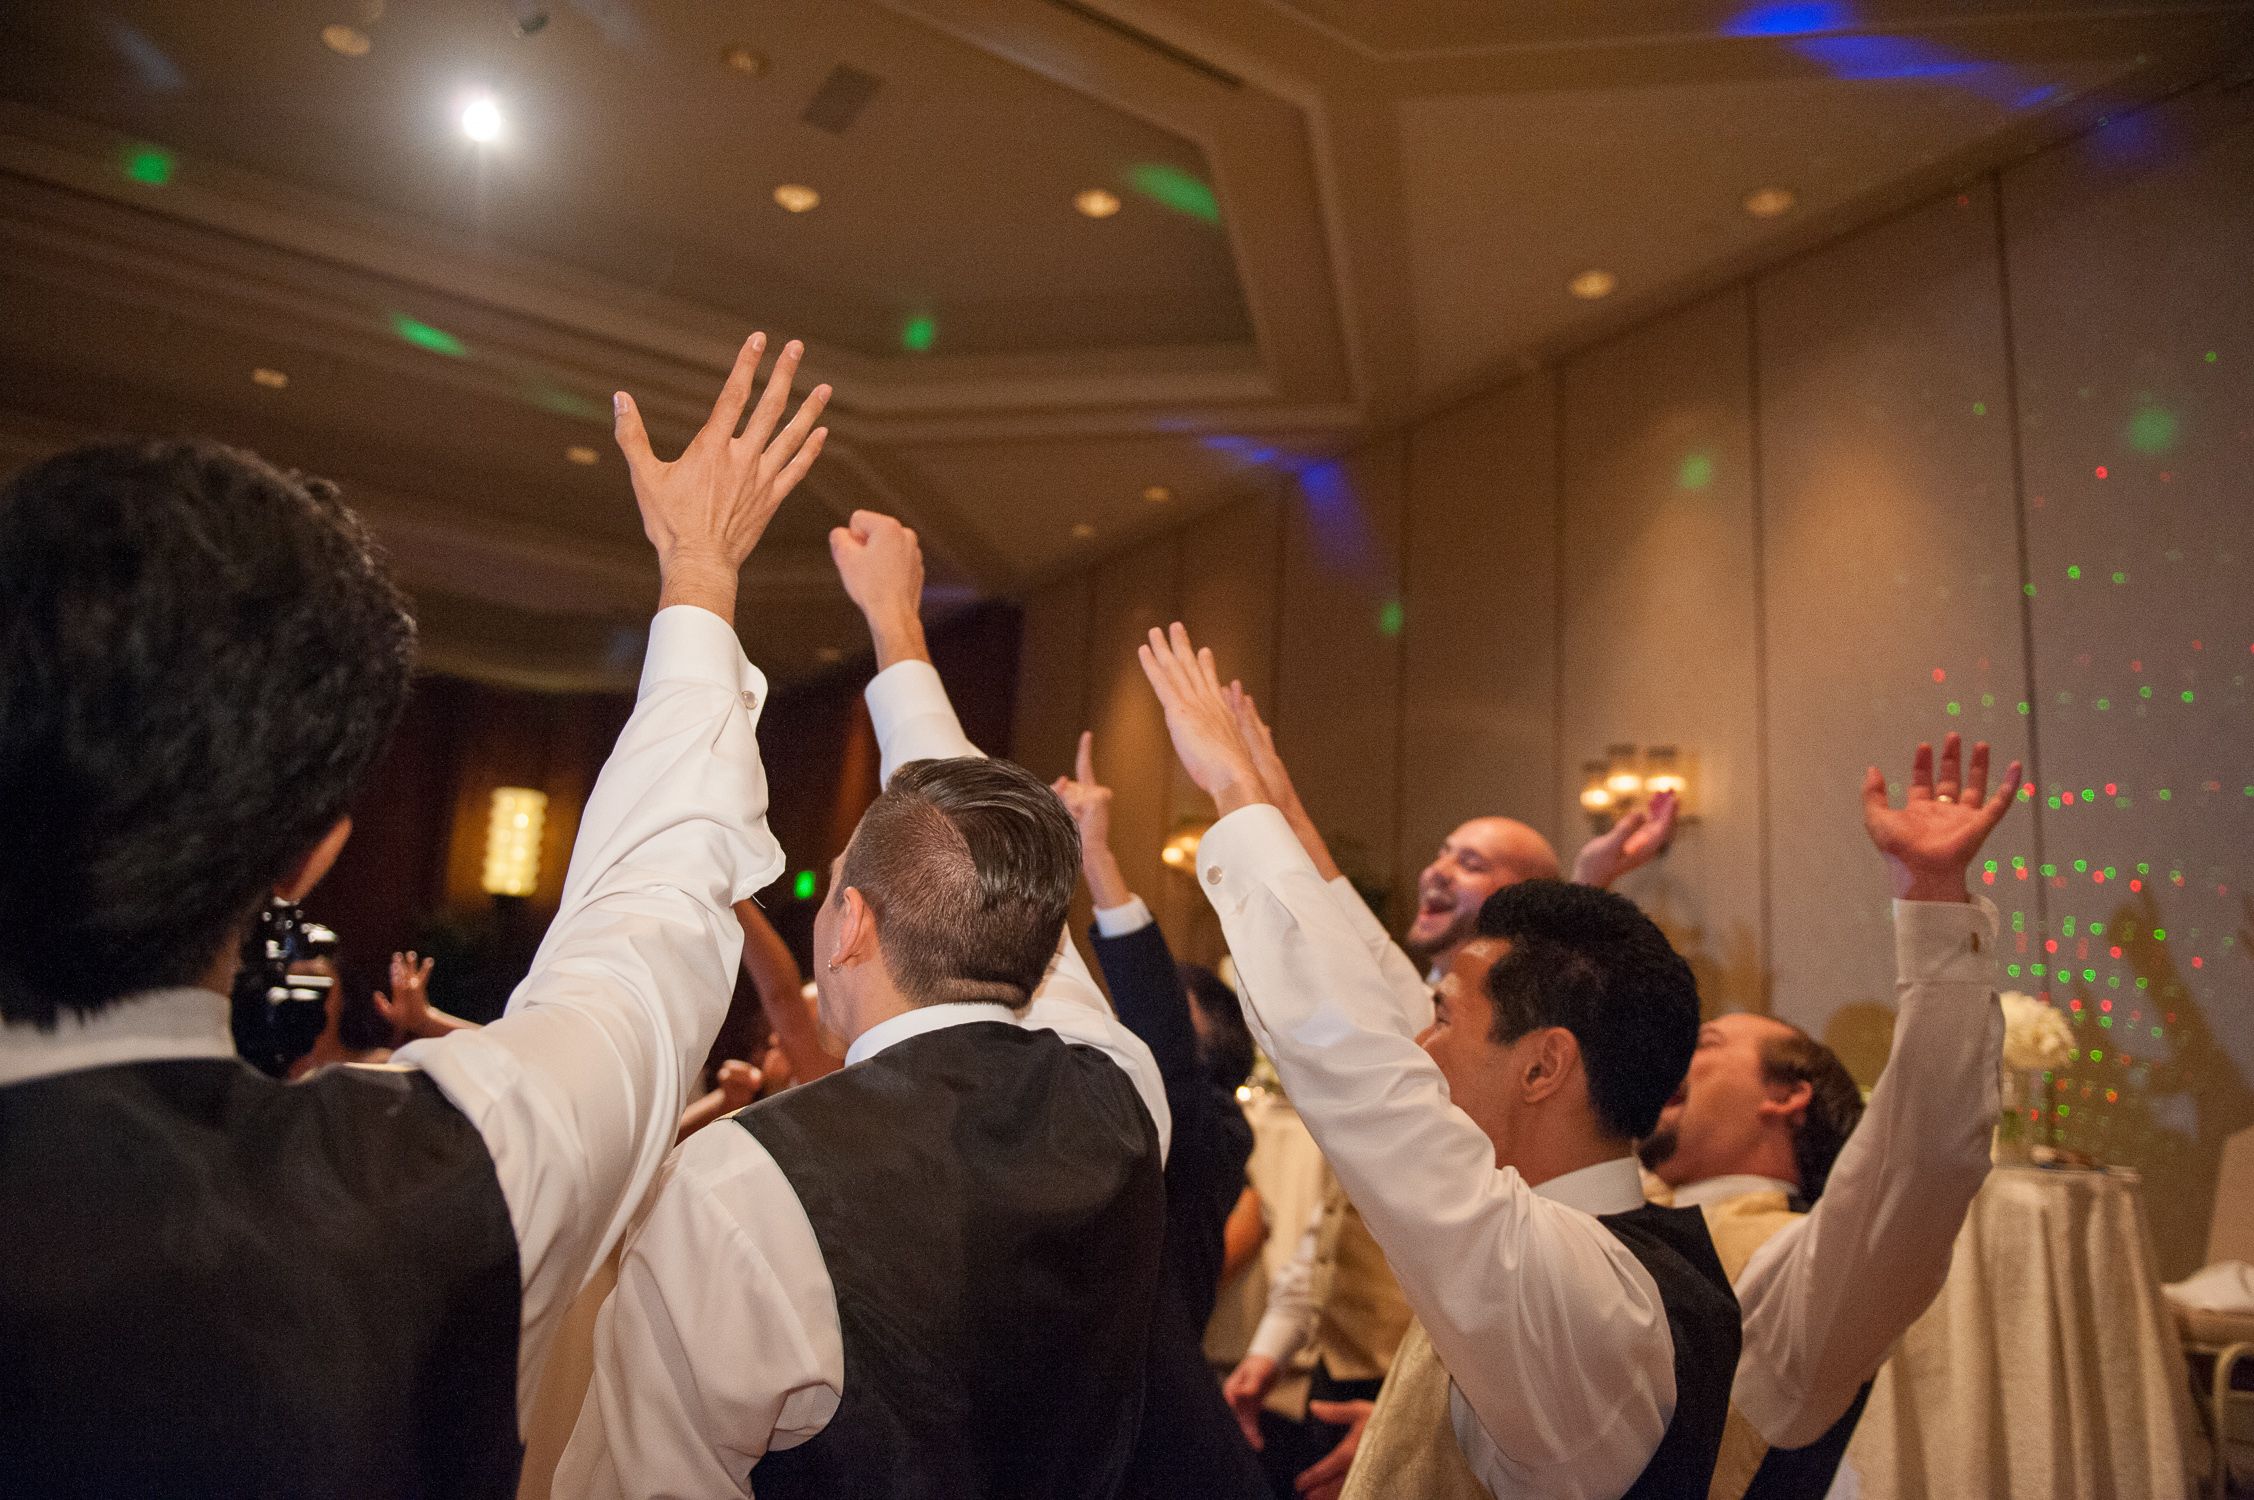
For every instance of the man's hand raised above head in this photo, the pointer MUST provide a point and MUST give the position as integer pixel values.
(1635, 841)
(882, 566)
(1200, 719)
(1089, 802)
(1929, 842)
(705, 511)
(1260, 744)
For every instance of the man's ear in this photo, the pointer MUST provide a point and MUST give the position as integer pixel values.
(298, 881)
(856, 930)
(1788, 1102)
(1551, 1058)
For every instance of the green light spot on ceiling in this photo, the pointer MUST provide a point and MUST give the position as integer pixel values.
(2153, 430)
(803, 886)
(2074, 570)
(2187, 695)
(1955, 709)
(1175, 189)
(918, 333)
(2120, 578)
(423, 336)
(1696, 472)
(2028, 589)
(2145, 691)
(1389, 619)
(565, 403)
(151, 166)
(2210, 356)
(1980, 408)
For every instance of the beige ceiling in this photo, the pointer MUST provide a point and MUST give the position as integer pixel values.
(1399, 191)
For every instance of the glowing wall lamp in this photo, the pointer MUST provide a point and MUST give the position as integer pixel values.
(512, 841)
(1628, 775)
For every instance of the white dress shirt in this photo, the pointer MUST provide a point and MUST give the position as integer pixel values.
(1827, 1296)
(722, 1340)
(1556, 1342)
(576, 1091)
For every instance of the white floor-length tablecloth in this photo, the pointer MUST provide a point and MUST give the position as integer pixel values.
(2048, 1367)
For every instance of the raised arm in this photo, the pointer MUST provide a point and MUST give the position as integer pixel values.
(882, 567)
(578, 1088)
(1827, 1296)
(782, 995)
(1544, 1321)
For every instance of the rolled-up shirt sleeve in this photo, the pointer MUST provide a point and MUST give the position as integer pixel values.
(1551, 1332)
(577, 1088)
(1827, 1296)
(914, 720)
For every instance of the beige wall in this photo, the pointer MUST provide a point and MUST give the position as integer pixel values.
(1793, 527)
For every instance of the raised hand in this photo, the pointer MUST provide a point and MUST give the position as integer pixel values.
(1260, 743)
(1089, 802)
(705, 511)
(882, 566)
(1636, 840)
(1929, 842)
(738, 1083)
(1199, 720)
(1326, 1479)
(408, 1005)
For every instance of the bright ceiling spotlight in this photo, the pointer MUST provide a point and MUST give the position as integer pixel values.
(1157, 494)
(1768, 202)
(748, 61)
(797, 197)
(481, 120)
(1591, 284)
(346, 41)
(1082, 531)
(581, 454)
(273, 380)
(1096, 203)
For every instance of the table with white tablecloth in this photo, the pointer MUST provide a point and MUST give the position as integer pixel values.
(2049, 1365)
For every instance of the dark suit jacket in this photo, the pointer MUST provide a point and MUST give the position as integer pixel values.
(1189, 1444)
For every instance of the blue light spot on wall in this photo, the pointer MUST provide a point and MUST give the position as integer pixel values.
(1864, 58)
(1340, 531)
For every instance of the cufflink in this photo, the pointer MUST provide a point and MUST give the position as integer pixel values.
(751, 699)
(1213, 875)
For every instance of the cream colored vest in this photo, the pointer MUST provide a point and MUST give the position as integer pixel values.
(1360, 1312)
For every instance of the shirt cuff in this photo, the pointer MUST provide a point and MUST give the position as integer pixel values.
(1278, 1338)
(1945, 942)
(904, 691)
(688, 642)
(1129, 916)
(1243, 852)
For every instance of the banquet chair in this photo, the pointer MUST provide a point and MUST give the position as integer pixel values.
(2220, 1345)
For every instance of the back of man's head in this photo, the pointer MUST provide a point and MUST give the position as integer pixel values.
(1588, 961)
(1835, 1102)
(968, 866)
(200, 659)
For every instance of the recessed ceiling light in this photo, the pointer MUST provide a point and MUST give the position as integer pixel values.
(1083, 531)
(350, 41)
(829, 655)
(1096, 203)
(1157, 493)
(748, 61)
(581, 454)
(1592, 284)
(481, 120)
(1768, 202)
(797, 197)
(273, 380)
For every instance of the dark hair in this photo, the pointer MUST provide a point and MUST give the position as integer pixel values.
(969, 866)
(200, 659)
(1227, 1045)
(1835, 1103)
(1589, 961)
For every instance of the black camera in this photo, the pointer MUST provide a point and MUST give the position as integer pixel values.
(278, 1015)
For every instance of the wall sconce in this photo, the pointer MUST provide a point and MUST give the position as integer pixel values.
(1628, 776)
(1180, 850)
(512, 841)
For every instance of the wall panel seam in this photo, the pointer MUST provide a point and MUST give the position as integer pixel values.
(1758, 539)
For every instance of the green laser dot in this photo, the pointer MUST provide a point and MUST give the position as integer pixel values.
(803, 886)
(918, 333)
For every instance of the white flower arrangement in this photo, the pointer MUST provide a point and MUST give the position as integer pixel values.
(2036, 1036)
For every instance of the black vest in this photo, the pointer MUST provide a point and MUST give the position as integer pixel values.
(988, 1202)
(1702, 1318)
(1806, 1473)
(214, 1283)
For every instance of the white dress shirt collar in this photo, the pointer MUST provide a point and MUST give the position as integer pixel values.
(157, 1024)
(924, 1018)
(1730, 1185)
(1609, 1187)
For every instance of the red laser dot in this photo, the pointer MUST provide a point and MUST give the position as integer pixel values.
(2138, 666)
(2098, 876)
(2029, 789)
(2105, 1005)
(2199, 963)
(2050, 945)
(1987, 877)
(2136, 885)
(2196, 646)
(2066, 799)
(1939, 675)
(2101, 471)
(2115, 950)
(2110, 789)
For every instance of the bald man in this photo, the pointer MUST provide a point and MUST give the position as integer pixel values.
(1337, 1295)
